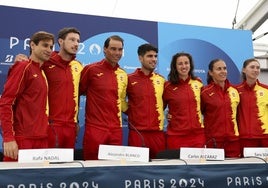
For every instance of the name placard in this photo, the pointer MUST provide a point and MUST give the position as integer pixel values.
(211, 154)
(261, 152)
(127, 153)
(42, 155)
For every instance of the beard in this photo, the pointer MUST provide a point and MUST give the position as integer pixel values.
(69, 51)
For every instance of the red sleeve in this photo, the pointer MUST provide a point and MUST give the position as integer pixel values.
(167, 83)
(202, 100)
(12, 89)
(83, 85)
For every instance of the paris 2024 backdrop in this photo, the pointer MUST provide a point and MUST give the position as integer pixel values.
(204, 43)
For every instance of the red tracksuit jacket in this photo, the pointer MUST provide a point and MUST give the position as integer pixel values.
(219, 108)
(63, 94)
(23, 104)
(105, 90)
(145, 104)
(184, 103)
(253, 110)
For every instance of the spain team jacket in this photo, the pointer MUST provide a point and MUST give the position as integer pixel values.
(184, 105)
(219, 108)
(23, 104)
(63, 80)
(105, 89)
(253, 110)
(145, 104)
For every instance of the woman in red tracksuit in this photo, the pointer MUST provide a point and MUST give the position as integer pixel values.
(219, 101)
(253, 107)
(182, 96)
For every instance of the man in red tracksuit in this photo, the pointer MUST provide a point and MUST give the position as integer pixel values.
(145, 105)
(63, 75)
(23, 104)
(104, 84)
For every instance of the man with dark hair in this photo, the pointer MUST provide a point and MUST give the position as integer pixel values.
(145, 105)
(104, 84)
(23, 104)
(63, 74)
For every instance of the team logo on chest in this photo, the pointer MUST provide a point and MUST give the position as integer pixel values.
(100, 74)
(51, 66)
(261, 93)
(211, 94)
(121, 78)
(134, 83)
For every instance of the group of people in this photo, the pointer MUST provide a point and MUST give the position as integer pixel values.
(219, 114)
(235, 116)
(40, 103)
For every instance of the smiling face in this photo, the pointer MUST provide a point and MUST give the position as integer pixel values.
(183, 67)
(41, 52)
(252, 70)
(148, 61)
(114, 51)
(219, 72)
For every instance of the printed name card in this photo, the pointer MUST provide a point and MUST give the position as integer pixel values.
(45, 155)
(210, 154)
(261, 152)
(127, 153)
